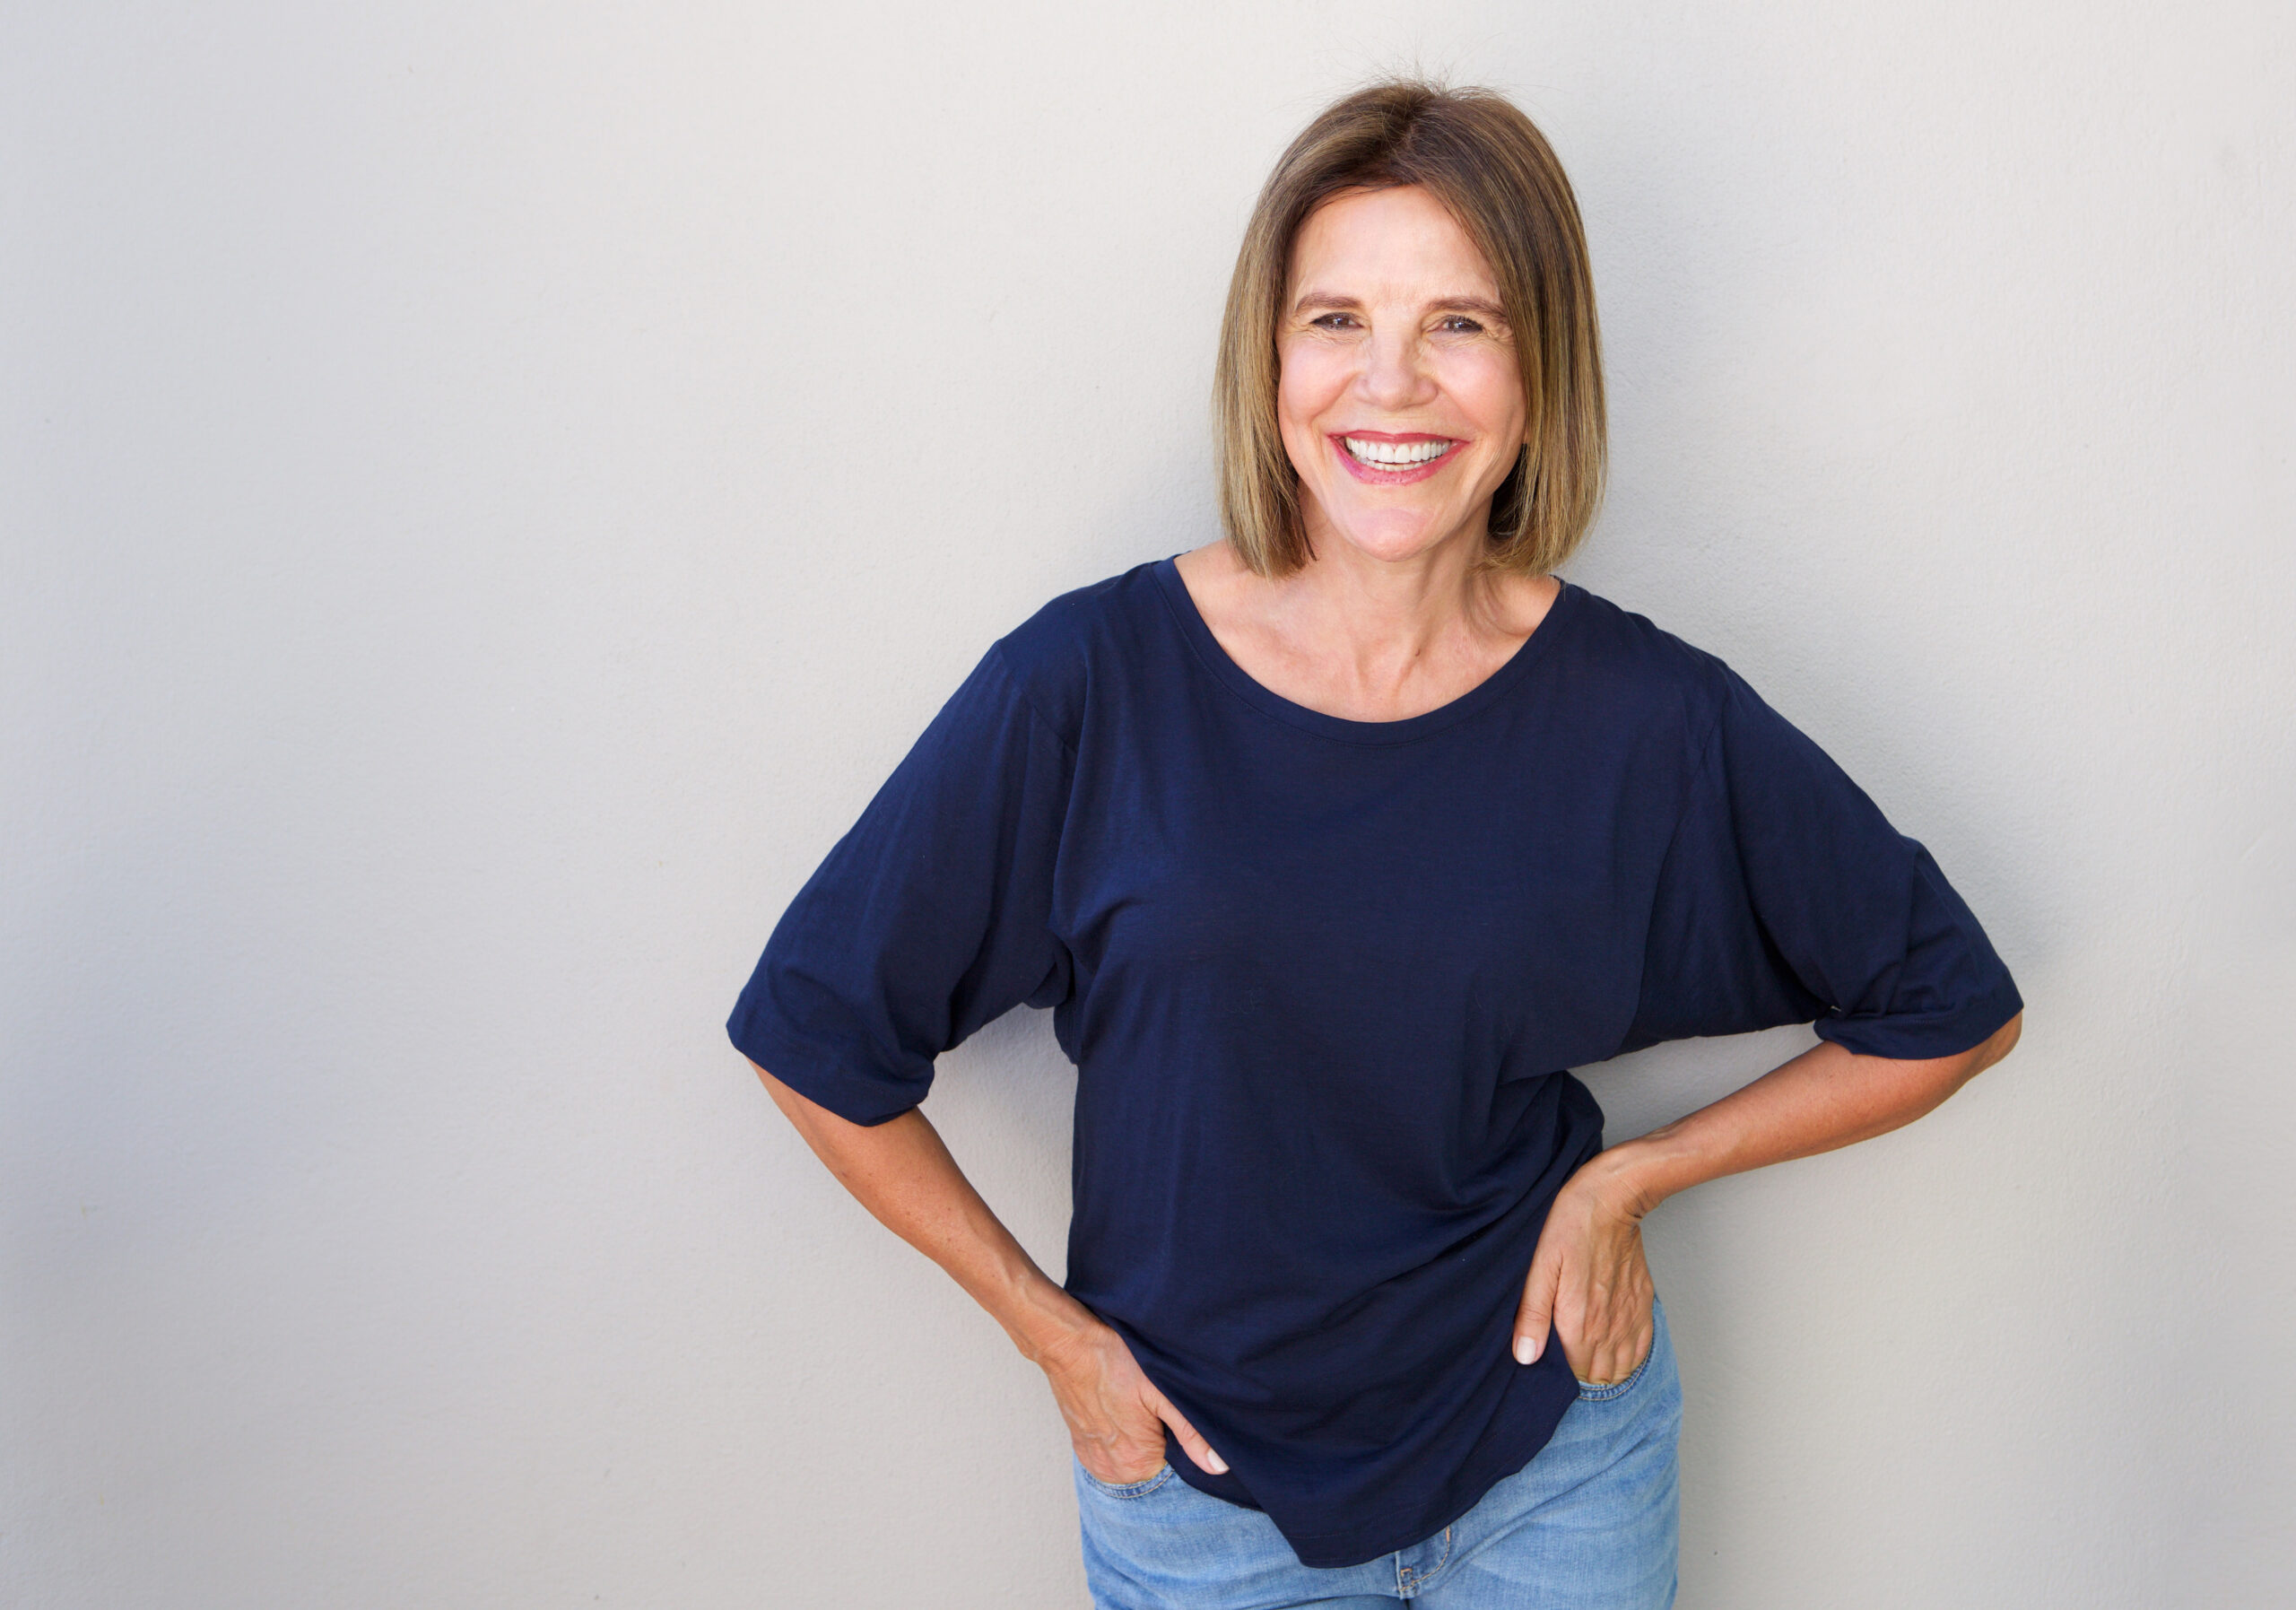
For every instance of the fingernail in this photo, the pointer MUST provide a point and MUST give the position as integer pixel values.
(1218, 1465)
(1526, 1350)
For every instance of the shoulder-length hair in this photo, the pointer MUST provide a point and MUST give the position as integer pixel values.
(1489, 166)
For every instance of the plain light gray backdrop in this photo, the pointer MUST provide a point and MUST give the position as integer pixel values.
(487, 491)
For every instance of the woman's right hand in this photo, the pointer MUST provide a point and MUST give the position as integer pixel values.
(1116, 1417)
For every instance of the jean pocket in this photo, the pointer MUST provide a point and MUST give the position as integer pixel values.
(1602, 1391)
(1140, 1489)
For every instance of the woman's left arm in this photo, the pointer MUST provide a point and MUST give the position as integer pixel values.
(1589, 1280)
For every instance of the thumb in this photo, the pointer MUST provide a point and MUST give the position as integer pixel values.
(1190, 1438)
(1534, 1316)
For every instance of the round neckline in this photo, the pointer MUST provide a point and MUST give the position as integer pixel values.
(1403, 729)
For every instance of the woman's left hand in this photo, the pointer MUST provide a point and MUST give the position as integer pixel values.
(1589, 1280)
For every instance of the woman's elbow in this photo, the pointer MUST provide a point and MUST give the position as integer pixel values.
(1996, 1044)
(799, 1109)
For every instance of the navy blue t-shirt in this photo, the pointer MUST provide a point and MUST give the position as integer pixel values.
(1323, 980)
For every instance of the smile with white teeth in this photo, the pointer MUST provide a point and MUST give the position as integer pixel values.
(1395, 455)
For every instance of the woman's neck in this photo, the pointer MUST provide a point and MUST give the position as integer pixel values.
(1363, 637)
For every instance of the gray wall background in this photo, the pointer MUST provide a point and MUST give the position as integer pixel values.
(488, 490)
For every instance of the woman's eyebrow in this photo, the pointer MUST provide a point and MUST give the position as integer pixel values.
(1332, 301)
(1471, 304)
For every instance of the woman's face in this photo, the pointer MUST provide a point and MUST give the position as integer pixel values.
(1399, 400)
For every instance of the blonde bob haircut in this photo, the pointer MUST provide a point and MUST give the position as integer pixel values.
(1489, 166)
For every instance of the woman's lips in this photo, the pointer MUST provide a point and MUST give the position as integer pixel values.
(1383, 458)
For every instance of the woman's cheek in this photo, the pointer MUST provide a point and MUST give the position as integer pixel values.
(1490, 389)
(1311, 376)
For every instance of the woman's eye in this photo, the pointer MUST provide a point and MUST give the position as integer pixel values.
(1331, 321)
(1459, 324)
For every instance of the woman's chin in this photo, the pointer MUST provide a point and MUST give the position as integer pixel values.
(1393, 536)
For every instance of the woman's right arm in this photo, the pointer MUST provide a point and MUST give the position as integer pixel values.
(900, 1171)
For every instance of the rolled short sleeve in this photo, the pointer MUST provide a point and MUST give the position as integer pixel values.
(1785, 896)
(928, 920)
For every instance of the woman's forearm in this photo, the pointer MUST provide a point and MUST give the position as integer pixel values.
(900, 1173)
(1825, 1098)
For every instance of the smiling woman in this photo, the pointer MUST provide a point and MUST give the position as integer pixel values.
(1466, 197)
(1334, 845)
(1398, 324)
(1399, 403)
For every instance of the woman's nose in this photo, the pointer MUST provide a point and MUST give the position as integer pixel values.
(1392, 376)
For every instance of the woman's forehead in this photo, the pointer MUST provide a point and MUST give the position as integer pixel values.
(1398, 242)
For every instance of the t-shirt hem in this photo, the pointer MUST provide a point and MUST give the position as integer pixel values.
(1344, 1547)
(1948, 1034)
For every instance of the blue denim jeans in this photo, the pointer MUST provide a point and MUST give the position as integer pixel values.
(1589, 1524)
